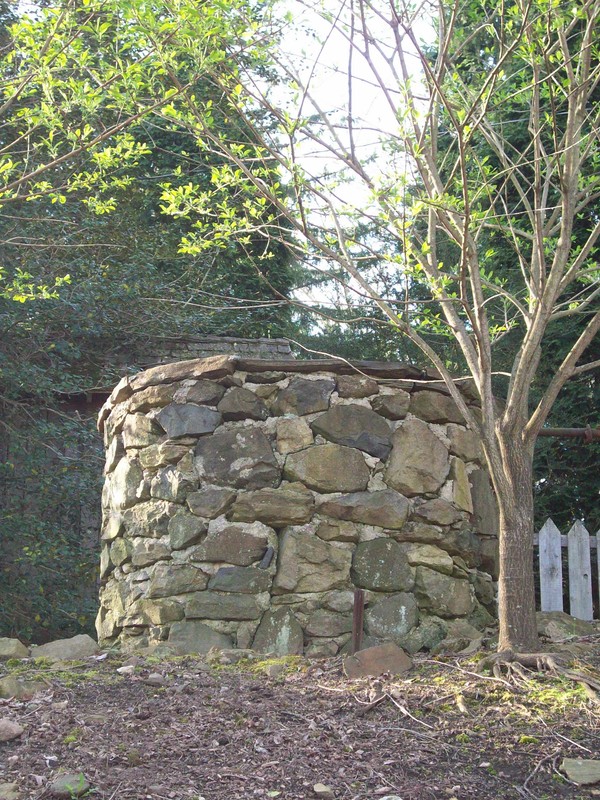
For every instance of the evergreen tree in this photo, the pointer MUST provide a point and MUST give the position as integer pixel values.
(92, 280)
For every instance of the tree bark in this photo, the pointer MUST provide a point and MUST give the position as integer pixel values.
(516, 589)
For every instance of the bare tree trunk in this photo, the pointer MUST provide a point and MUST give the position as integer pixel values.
(516, 591)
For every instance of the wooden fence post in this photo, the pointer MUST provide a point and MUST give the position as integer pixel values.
(579, 544)
(550, 558)
(580, 572)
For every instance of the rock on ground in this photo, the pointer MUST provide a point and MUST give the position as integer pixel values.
(12, 648)
(81, 646)
(9, 730)
(583, 771)
(69, 786)
(557, 626)
(375, 661)
(9, 791)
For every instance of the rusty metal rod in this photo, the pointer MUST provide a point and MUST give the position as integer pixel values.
(587, 434)
(357, 620)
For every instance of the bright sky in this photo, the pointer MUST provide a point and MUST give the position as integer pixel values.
(319, 52)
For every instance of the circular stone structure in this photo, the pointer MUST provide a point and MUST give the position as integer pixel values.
(245, 500)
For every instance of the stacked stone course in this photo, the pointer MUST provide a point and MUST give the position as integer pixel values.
(245, 500)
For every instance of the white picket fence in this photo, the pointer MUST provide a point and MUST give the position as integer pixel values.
(579, 544)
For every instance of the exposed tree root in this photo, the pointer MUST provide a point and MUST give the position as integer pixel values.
(519, 667)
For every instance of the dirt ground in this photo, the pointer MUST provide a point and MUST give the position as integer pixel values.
(185, 729)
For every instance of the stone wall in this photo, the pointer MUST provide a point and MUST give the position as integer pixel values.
(165, 349)
(245, 500)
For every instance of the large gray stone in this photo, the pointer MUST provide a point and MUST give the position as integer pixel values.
(293, 434)
(241, 403)
(185, 529)
(114, 422)
(484, 589)
(438, 512)
(211, 367)
(480, 617)
(382, 565)
(429, 633)
(152, 397)
(191, 636)
(464, 443)
(121, 392)
(114, 453)
(279, 633)
(81, 646)
(173, 485)
(303, 396)
(337, 531)
(392, 618)
(462, 542)
(392, 406)
(418, 463)
(159, 455)
(308, 564)
(106, 625)
(159, 612)
(246, 580)
(356, 386)
(265, 377)
(241, 458)
(178, 419)
(106, 565)
(234, 543)
(266, 393)
(291, 504)
(114, 595)
(202, 392)
(149, 519)
(12, 648)
(146, 551)
(122, 485)
(120, 551)
(219, 605)
(328, 468)
(385, 509)
(426, 555)
(328, 623)
(140, 431)
(434, 407)
(172, 579)
(355, 426)
(461, 490)
(443, 595)
(419, 532)
(210, 502)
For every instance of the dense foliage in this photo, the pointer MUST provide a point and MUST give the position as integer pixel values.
(92, 278)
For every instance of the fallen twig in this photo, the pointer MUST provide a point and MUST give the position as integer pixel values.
(564, 738)
(506, 683)
(406, 712)
(537, 768)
